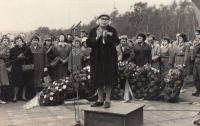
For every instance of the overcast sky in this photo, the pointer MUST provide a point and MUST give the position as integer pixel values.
(25, 15)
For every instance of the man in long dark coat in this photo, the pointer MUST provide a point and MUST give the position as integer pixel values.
(103, 40)
(196, 68)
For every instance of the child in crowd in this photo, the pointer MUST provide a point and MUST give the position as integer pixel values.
(86, 52)
(76, 57)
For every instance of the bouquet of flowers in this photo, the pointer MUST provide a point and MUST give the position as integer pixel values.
(54, 94)
(121, 69)
(125, 69)
(81, 80)
(64, 88)
(174, 82)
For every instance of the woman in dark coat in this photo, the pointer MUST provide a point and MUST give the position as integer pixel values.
(28, 75)
(17, 57)
(142, 51)
(103, 40)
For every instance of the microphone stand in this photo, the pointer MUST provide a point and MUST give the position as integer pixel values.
(78, 122)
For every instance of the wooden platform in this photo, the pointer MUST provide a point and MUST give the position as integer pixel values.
(119, 114)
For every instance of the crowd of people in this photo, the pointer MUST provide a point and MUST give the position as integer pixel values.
(164, 55)
(25, 62)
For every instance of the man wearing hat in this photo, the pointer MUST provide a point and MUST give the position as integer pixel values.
(48, 46)
(83, 33)
(103, 40)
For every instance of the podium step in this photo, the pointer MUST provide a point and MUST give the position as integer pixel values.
(119, 114)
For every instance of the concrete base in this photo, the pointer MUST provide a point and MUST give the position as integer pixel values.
(119, 114)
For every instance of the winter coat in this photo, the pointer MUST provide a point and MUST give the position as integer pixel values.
(172, 54)
(40, 61)
(17, 74)
(142, 54)
(86, 56)
(49, 53)
(28, 77)
(155, 52)
(61, 70)
(103, 58)
(165, 53)
(195, 56)
(75, 59)
(50, 57)
(3, 71)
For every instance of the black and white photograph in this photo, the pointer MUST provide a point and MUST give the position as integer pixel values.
(100, 63)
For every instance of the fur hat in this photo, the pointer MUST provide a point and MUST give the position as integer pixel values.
(104, 14)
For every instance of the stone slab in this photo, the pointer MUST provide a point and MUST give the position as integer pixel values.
(124, 114)
(119, 109)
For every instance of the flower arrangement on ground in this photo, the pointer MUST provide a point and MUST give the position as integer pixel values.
(145, 82)
(174, 82)
(64, 88)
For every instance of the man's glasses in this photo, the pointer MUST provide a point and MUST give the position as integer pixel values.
(104, 19)
(196, 34)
